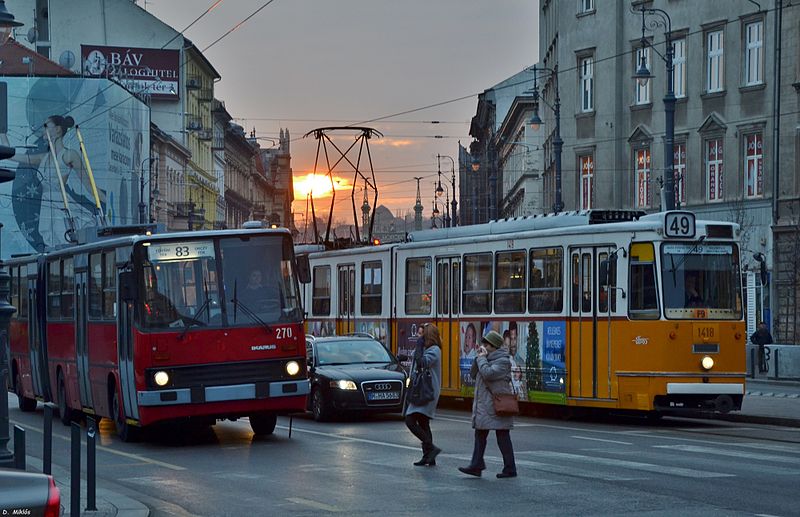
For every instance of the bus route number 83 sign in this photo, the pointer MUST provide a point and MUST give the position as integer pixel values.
(679, 224)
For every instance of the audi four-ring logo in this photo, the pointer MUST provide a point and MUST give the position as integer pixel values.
(383, 387)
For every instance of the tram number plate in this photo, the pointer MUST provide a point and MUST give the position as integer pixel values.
(383, 395)
(705, 332)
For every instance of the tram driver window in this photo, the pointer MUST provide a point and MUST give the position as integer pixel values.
(643, 302)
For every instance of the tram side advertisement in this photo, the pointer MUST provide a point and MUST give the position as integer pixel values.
(537, 357)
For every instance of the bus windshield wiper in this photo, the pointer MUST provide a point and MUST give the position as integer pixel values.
(237, 304)
(190, 322)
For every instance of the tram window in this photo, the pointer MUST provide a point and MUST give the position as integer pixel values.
(109, 286)
(643, 297)
(67, 288)
(418, 286)
(443, 287)
(54, 289)
(456, 270)
(509, 273)
(321, 296)
(546, 292)
(477, 284)
(14, 293)
(95, 286)
(609, 291)
(371, 287)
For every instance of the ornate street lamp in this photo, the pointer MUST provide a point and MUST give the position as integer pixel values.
(536, 123)
(454, 203)
(653, 18)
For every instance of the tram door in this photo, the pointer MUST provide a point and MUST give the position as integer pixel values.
(346, 300)
(37, 351)
(591, 307)
(448, 296)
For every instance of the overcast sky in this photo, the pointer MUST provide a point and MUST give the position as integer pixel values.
(303, 64)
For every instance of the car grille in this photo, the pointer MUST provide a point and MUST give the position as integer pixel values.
(221, 374)
(382, 393)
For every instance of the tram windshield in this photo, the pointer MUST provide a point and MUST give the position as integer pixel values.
(229, 281)
(701, 280)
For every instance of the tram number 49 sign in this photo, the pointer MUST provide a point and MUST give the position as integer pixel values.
(679, 224)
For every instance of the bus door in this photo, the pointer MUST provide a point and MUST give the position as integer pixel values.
(81, 339)
(346, 300)
(589, 367)
(127, 379)
(36, 350)
(448, 296)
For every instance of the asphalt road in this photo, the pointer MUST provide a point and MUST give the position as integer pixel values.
(359, 467)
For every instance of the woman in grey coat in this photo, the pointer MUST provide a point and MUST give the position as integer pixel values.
(492, 373)
(418, 418)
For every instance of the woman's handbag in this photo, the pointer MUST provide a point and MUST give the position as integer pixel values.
(505, 404)
(421, 391)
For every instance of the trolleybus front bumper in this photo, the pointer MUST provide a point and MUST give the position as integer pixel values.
(203, 394)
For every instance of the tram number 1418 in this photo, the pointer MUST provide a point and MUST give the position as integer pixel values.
(679, 224)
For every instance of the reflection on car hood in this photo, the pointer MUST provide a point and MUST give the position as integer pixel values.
(361, 372)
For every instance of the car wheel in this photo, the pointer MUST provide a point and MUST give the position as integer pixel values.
(26, 405)
(318, 406)
(125, 431)
(263, 424)
(64, 411)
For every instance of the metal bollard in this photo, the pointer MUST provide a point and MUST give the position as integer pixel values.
(752, 363)
(75, 471)
(91, 471)
(47, 446)
(19, 448)
(776, 363)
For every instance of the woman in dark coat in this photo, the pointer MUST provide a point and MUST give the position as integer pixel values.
(428, 354)
(492, 373)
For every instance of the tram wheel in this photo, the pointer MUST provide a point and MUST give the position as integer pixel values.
(263, 424)
(26, 405)
(318, 406)
(125, 431)
(64, 411)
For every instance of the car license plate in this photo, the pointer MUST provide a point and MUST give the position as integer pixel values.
(383, 395)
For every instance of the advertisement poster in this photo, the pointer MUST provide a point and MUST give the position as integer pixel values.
(407, 339)
(44, 112)
(471, 332)
(150, 71)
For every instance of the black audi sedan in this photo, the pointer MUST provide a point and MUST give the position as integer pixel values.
(353, 374)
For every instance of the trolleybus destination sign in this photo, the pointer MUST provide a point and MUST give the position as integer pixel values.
(187, 250)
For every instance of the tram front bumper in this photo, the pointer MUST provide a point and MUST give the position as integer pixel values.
(693, 396)
(203, 394)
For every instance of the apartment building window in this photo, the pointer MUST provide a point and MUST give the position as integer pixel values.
(679, 168)
(586, 6)
(642, 91)
(715, 68)
(679, 68)
(642, 166)
(754, 53)
(714, 168)
(586, 163)
(587, 84)
(754, 164)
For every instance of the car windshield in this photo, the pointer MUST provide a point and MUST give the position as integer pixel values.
(352, 352)
(702, 277)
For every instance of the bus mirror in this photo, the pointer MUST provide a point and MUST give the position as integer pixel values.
(603, 273)
(303, 269)
(127, 286)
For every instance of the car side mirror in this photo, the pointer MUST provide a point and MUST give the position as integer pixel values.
(303, 269)
(128, 290)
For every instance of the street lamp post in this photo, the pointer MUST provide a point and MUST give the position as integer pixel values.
(454, 203)
(660, 18)
(536, 121)
(141, 187)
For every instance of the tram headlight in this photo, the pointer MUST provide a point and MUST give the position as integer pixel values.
(344, 385)
(707, 362)
(161, 377)
(292, 367)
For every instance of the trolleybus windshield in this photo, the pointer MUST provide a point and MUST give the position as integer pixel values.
(252, 283)
(701, 280)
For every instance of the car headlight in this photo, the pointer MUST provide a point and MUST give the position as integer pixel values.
(161, 377)
(707, 362)
(344, 385)
(292, 367)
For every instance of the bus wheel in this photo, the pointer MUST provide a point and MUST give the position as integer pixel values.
(26, 405)
(263, 424)
(125, 431)
(318, 406)
(63, 409)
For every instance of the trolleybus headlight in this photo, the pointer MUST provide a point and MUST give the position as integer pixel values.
(161, 377)
(292, 367)
(707, 362)
(344, 385)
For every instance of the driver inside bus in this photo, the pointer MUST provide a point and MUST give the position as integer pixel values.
(692, 294)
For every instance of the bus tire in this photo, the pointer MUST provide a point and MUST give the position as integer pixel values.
(263, 424)
(26, 405)
(126, 432)
(319, 408)
(64, 411)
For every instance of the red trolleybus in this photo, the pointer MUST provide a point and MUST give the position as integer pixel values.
(147, 328)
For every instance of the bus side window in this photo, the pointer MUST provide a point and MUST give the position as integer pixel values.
(643, 302)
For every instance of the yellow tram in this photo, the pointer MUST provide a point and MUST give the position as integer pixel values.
(605, 309)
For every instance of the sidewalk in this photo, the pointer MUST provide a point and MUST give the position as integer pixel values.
(108, 502)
